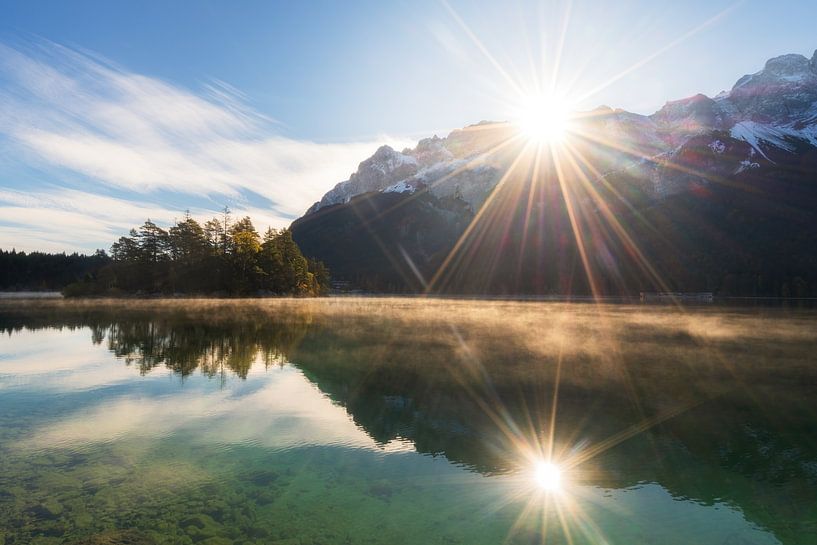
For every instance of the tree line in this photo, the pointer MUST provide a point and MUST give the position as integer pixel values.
(40, 271)
(223, 256)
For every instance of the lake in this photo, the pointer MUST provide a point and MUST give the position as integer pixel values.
(414, 421)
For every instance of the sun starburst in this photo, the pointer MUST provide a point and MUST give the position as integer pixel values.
(544, 119)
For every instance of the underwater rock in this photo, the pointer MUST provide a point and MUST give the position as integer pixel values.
(49, 509)
(201, 527)
(216, 541)
(43, 540)
(261, 478)
(200, 521)
(216, 508)
(258, 532)
(381, 489)
(58, 482)
(117, 537)
(263, 497)
(83, 520)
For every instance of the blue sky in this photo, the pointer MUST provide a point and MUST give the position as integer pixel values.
(113, 111)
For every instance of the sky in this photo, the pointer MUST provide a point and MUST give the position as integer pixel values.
(113, 112)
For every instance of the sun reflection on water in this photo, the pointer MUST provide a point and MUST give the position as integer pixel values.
(548, 476)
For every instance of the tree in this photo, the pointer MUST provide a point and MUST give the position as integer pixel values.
(153, 242)
(296, 266)
(189, 250)
(41, 271)
(320, 277)
(213, 233)
(244, 248)
(126, 248)
(225, 230)
(271, 261)
(187, 241)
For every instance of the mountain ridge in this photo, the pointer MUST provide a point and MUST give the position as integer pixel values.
(776, 104)
(753, 147)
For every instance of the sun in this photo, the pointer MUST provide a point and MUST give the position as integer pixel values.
(544, 119)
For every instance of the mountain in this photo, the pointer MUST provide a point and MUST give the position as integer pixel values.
(714, 194)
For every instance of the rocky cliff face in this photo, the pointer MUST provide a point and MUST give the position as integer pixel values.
(782, 93)
(455, 165)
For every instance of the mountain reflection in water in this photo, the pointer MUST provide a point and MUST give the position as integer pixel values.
(710, 406)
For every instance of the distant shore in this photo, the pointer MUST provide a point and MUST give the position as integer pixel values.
(30, 295)
(579, 299)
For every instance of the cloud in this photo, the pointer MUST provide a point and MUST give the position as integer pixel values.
(296, 413)
(62, 219)
(131, 140)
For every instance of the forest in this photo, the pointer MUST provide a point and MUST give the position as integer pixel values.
(222, 257)
(40, 271)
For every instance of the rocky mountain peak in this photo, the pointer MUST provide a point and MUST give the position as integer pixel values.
(696, 105)
(779, 94)
(788, 65)
(786, 70)
(376, 173)
(680, 119)
(383, 153)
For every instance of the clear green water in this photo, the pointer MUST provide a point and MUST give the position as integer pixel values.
(405, 421)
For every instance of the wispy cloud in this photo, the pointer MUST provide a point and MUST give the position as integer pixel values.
(60, 219)
(76, 116)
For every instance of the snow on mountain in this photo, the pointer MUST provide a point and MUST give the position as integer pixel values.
(446, 166)
(381, 170)
(400, 187)
(754, 133)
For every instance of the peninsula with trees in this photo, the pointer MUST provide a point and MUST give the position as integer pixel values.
(222, 257)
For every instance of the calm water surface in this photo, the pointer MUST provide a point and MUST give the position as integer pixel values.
(405, 421)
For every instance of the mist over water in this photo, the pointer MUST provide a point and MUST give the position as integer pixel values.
(405, 421)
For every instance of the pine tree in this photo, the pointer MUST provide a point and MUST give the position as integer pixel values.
(245, 247)
(272, 262)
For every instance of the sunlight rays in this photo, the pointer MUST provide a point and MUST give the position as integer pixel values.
(484, 50)
(574, 224)
(461, 242)
(553, 167)
(648, 58)
(544, 118)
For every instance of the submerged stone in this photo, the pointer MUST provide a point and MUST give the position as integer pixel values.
(201, 527)
(262, 478)
(43, 540)
(381, 489)
(49, 509)
(216, 541)
(117, 537)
